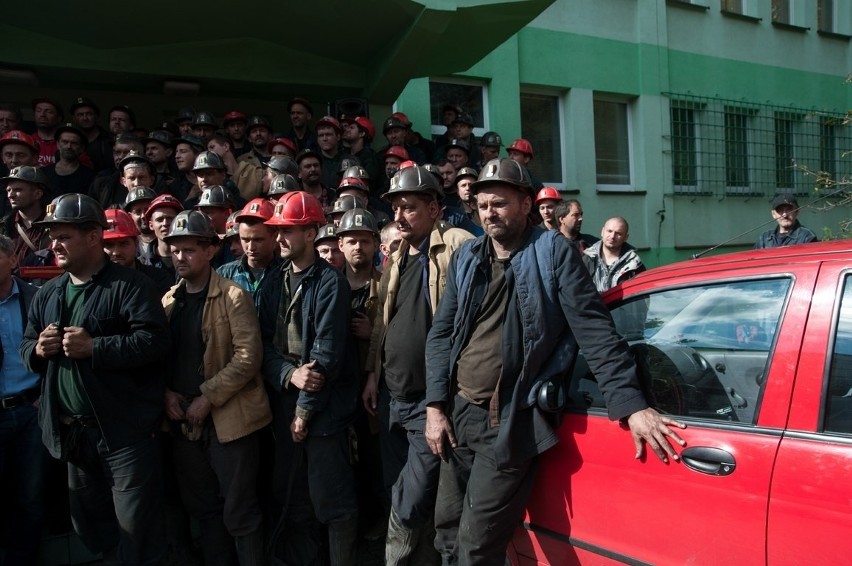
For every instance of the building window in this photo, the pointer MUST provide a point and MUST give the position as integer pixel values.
(826, 15)
(782, 12)
(828, 148)
(471, 96)
(684, 148)
(612, 143)
(736, 150)
(741, 7)
(542, 124)
(785, 155)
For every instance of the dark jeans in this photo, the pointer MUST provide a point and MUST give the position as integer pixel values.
(479, 506)
(219, 480)
(120, 504)
(415, 481)
(23, 459)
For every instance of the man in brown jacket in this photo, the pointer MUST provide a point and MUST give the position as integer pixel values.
(215, 399)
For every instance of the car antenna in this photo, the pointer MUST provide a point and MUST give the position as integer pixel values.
(728, 241)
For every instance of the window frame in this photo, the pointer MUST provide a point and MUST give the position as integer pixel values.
(629, 106)
(749, 155)
(695, 126)
(561, 129)
(436, 130)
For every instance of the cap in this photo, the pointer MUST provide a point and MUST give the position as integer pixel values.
(781, 200)
(82, 101)
(299, 100)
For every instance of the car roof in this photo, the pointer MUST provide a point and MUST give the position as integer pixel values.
(785, 256)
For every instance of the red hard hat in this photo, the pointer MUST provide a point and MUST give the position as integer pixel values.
(17, 136)
(547, 193)
(398, 152)
(330, 121)
(235, 116)
(522, 145)
(365, 124)
(402, 118)
(286, 142)
(297, 208)
(407, 163)
(121, 225)
(163, 201)
(256, 209)
(353, 183)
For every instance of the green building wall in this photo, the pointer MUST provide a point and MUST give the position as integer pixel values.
(640, 50)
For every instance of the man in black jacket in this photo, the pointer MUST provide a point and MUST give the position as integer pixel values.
(96, 335)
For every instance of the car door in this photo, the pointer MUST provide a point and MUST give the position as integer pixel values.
(594, 502)
(810, 507)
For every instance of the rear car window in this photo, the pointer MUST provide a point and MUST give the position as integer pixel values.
(702, 351)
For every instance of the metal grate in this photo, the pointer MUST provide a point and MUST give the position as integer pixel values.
(733, 147)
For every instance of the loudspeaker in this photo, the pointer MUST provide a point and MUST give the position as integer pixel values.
(350, 106)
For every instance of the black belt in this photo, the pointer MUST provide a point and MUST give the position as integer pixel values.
(24, 398)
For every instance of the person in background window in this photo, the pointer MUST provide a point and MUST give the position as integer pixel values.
(785, 211)
(612, 260)
(521, 151)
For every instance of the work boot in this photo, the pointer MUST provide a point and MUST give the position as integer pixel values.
(250, 551)
(414, 547)
(343, 542)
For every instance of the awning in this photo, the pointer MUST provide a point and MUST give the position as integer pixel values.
(258, 49)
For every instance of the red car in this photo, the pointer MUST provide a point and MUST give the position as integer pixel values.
(753, 351)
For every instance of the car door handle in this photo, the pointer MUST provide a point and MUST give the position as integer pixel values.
(709, 460)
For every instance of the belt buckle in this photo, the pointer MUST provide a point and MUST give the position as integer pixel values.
(12, 401)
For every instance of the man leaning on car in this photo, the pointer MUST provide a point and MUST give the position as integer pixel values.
(523, 291)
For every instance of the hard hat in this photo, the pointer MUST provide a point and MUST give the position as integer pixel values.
(26, 173)
(255, 209)
(69, 127)
(503, 171)
(547, 193)
(414, 180)
(281, 140)
(393, 122)
(353, 183)
(345, 203)
(208, 160)
(19, 137)
(466, 172)
(327, 232)
(74, 208)
(216, 196)
(257, 122)
(204, 119)
(459, 143)
(283, 164)
(121, 225)
(139, 194)
(160, 136)
(358, 220)
(464, 118)
(297, 208)
(398, 152)
(491, 139)
(232, 227)
(163, 201)
(192, 223)
(136, 158)
(356, 172)
(347, 162)
(522, 146)
(284, 183)
(329, 121)
(234, 116)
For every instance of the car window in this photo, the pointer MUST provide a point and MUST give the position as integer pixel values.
(701, 351)
(838, 400)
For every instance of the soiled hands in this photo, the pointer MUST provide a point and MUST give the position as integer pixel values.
(650, 426)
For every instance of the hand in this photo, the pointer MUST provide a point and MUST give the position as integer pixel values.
(649, 426)
(198, 411)
(306, 379)
(77, 343)
(361, 326)
(173, 405)
(370, 393)
(299, 429)
(438, 431)
(49, 342)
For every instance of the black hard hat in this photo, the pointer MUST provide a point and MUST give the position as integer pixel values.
(208, 160)
(506, 171)
(192, 223)
(204, 119)
(284, 183)
(191, 140)
(134, 157)
(160, 136)
(466, 172)
(356, 172)
(283, 164)
(358, 220)
(346, 203)
(349, 161)
(185, 114)
(491, 138)
(69, 127)
(139, 194)
(459, 143)
(82, 101)
(216, 196)
(258, 122)
(414, 179)
(327, 232)
(74, 208)
(26, 173)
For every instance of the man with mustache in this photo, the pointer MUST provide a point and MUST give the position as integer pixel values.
(410, 291)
